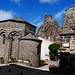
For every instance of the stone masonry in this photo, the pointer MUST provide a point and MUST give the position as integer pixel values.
(10, 32)
(29, 49)
(67, 33)
(67, 63)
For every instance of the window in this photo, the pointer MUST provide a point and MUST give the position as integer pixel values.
(3, 39)
(67, 40)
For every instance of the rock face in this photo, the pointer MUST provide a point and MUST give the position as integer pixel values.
(67, 33)
(69, 19)
(49, 29)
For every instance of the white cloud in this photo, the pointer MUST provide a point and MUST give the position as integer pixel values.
(39, 24)
(49, 1)
(6, 14)
(16, 1)
(59, 15)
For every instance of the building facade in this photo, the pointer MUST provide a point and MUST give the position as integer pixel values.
(44, 48)
(11, 31)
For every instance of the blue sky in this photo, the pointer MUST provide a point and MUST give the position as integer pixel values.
(33, 10)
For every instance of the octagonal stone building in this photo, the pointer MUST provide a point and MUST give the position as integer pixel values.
(10, 32)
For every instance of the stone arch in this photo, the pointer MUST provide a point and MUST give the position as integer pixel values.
(3, 43)
(14, 44)
(3, 34)
(14, 33)
(3, 31)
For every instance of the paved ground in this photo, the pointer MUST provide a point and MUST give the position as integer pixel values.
(47, 64)
(22, 69)
(14, 69)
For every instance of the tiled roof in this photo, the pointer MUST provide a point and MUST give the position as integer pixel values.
(18, 19)
(30, 37)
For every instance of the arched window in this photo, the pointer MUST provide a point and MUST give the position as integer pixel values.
(3, 41)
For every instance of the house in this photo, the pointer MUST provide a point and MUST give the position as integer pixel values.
(44, 48)
(67, 33)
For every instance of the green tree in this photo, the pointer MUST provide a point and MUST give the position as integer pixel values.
(54, 47)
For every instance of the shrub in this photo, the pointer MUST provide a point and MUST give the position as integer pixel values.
(54, 48)
(20, 58)
(28, 60)
(2, 60)
(13, 59)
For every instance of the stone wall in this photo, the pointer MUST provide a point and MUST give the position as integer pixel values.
(28, 50)
(30, 29)
(67, 63)
(4, 49)
(7, 29)
(13, 26)
(12, 30)
(15, 47)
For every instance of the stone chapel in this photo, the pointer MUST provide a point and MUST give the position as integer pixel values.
(12, 32)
